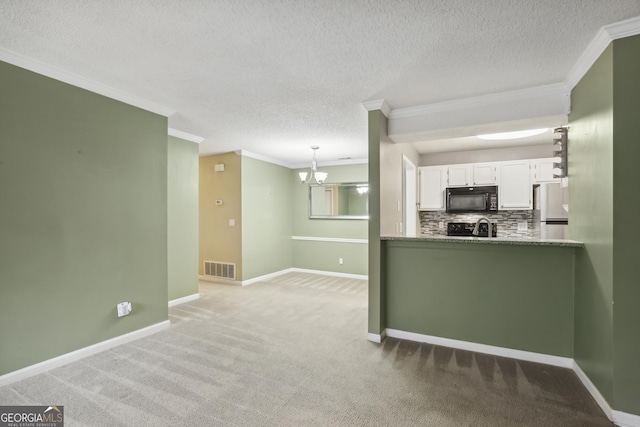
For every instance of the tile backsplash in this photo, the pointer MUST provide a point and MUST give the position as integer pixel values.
(507, 222)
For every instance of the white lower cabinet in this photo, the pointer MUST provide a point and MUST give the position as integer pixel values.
(515, 191)
(433, 182)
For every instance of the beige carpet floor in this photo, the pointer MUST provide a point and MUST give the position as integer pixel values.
(293, 352)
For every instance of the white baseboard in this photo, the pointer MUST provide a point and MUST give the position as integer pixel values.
(220, 280)
(595, 393)
(182, 300)
(330, 273)
(245, 282)
(266, 277)
(376, 338)
(67, 358)
(564, 362)
(623, 419)
(281, 272)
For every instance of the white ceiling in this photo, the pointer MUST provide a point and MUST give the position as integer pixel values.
(275, 77)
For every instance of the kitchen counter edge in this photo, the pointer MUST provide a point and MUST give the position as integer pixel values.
(491, 241)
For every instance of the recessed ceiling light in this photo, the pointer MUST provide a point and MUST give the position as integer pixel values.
(513, 135)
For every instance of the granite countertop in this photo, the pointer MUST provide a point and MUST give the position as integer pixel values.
(523, 241)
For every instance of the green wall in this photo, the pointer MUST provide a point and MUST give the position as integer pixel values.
(591, 220)
(324, 256)
(83, 223)
(377, 133)
(266, 218)
(182, 217)
(603, 153)
(626, 236)
(518, 297)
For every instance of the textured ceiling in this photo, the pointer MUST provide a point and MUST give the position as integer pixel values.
(275, 77)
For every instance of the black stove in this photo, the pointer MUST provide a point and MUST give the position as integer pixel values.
(466, 228)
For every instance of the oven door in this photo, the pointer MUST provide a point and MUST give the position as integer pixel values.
(467, 202)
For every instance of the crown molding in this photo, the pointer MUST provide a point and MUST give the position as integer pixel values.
(588, 58)
(605, 35)
(622, 29)
(186, 136)
(377, 104)
(246, 153)
(331, 163)
(39, 67)
(299, 165)
(482, 101)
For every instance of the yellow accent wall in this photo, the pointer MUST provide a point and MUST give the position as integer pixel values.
(218, 241)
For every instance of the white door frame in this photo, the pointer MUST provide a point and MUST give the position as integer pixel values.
(409, 197)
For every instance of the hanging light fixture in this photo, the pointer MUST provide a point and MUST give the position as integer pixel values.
(319, 177)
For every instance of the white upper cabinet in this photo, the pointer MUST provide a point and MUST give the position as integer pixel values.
(485, 174)
(542, 171)
(433, 182)
(460, 175)
(515, 191)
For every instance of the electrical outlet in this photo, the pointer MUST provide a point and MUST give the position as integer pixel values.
(232, 223)
(441, 225)
(340, 261)
(123, 308)
(522, 225)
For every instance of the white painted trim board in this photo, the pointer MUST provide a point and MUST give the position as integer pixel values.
(182, 300)
(184, 135)
(331, 273)
(620, 418)
(547, 359)
(244, 282)
(377, 338)
(594, 49)
(377, 104)
(281, 272)
(81, 353)
(39, 67)
(329, 239)
(220, 280)
(556, 90)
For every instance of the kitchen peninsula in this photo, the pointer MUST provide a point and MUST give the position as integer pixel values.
(505, 292)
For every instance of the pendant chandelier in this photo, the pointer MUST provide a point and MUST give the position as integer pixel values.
(318, 177)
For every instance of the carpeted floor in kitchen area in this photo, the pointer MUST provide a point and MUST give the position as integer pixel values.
(292, 351)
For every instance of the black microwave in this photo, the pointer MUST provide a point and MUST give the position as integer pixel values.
(472, 199)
